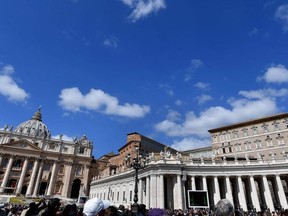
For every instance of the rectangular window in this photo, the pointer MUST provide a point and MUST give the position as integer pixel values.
(227, 136)
(235, 135)
(238, 147)
(247, 146)
(258, 144)
(276, 127)
(255, 131)
(81, 150)
(130, 196)
(265, 129)
(245, 133)
(222, 137)
(124, 199)
(280, 141)
(117, 195)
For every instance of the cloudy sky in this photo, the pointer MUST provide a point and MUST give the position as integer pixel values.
(170, 70)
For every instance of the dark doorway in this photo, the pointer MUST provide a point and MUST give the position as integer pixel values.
(24, 189)
(12, 184)
(43, 187)
(75, 188)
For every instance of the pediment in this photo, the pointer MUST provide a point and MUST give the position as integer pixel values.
(22, 145)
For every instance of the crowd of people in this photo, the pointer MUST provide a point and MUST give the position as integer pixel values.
(97, 207)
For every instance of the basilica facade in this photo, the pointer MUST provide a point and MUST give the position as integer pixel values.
(34, 164)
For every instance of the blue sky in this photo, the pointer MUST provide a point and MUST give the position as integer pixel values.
(170, 70)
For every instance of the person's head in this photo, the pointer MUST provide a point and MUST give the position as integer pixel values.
(32, 205)
(111, 211)
(54, 204)
(93, 206)
(142, 207)
(224, 208)
(157, 212)
(121, 207)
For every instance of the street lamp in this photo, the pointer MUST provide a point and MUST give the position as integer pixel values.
(138, 162)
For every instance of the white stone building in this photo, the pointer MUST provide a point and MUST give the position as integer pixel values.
(252, 178)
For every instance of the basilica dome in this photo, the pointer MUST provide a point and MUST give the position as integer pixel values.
(34, 127)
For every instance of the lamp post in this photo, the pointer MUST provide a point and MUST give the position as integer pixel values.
(138, 162)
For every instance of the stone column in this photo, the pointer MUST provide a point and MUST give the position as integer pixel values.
(241, 194)
(140, 191)
(216, 190)
(1, 158)
(228, 194)
(204, 182)
(267, 194)
(160, 187)
(32, 179)
(184, 194)
(85, 173)
(7, 174)
(254, 195)
(22, 176)
(281, 193)
(148, 192)
(38, 179)
(52, 180)
(178, 197)
(193, 184)
(153, 191)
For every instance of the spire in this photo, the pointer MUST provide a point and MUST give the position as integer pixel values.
(37, 115)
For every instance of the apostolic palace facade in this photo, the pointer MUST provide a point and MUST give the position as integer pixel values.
(246, 162)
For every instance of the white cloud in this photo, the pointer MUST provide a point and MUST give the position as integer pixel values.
(142, 8)
(173, 115)
(281, 15)
(7, 70)
(9, 88)
(167, 88)
(254, 32)
(189, 143)
(241, 109)
(72, 99)
(276, 74)
(178, 102)
(203, 98)
(195, 64)
(111, 42)
(64, 137)
(202, 85)
(264, 93)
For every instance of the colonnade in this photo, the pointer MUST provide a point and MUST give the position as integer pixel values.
(162, 190)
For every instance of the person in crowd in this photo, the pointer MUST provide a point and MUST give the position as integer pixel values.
(2, 210)
(34, 208)
(224, 207)
(142, 210)
(66, 210)
(157, 212)
(73, 210)
(94, 206)
(52, 208)
(111, 211)
(121, 210)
